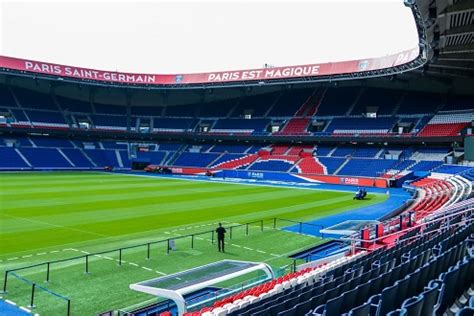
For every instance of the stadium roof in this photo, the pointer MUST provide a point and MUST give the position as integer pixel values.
(187, 36)
(450, 30)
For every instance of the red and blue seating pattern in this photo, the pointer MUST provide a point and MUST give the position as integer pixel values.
(296, 108)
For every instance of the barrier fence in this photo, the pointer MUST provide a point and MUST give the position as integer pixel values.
(148, 248)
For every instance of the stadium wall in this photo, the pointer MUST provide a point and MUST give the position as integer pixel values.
(286, 177)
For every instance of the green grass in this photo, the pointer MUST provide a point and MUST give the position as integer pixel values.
(49, 216)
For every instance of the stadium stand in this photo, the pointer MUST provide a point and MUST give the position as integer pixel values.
(240, 126)
(447, 124)
(189, 159)
(434, 266)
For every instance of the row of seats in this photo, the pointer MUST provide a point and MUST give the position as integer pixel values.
(374, 283)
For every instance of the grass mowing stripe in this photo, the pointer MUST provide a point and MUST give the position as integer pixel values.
(151, 194)
(133, 210)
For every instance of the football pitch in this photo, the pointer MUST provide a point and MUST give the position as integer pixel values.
(45, 217)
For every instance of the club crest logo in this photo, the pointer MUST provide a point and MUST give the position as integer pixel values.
(363, 64)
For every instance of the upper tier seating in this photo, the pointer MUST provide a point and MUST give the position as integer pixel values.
(240, 126)
(217, 109)
(173, 124)
(6, 98)
(256, 105)
(289, 103)
(109, 122)
(45, 117)
(295, 107)
(447, 124)
(34, 100)
(460, 102)
(110, 109)
(385, 100)
(148, 111)
(337, 101)
(442, 129)
(295, 126)
(381, 125)
(187, 159)
(71, 105)
(19, 115)
(423, 103)
(188, 110)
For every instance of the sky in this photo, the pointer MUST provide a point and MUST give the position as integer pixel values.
(197, 36)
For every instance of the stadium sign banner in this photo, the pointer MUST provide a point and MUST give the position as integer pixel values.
(262, 74)
(284, 177)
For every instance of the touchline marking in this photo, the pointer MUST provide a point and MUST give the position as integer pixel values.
(38, 254)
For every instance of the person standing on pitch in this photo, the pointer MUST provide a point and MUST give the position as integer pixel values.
(220, 237)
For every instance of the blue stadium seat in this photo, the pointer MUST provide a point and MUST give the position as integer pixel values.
(77, 158)
(45, 158)
(187, 159)
(9, 159)
(413, 306)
